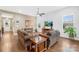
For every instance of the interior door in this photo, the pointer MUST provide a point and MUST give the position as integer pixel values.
(7, 24)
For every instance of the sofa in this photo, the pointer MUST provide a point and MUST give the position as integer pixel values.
(53, 37)
(24, 38)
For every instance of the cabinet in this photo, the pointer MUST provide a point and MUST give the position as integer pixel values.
(45, 30)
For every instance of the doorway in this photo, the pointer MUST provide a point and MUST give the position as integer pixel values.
(7, 24)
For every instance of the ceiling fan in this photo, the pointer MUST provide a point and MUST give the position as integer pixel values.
(38, 12)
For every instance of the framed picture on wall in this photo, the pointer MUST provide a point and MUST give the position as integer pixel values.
(27, 23)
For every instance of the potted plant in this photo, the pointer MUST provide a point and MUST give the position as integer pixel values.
(70, 31)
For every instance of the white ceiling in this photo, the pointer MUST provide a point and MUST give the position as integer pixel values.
(31, 10)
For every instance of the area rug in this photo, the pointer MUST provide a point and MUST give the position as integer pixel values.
(68, 50)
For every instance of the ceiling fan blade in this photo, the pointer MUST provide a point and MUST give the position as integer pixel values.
(41, 14)
(38, 13)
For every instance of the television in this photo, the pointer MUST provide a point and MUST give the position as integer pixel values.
(48, 24)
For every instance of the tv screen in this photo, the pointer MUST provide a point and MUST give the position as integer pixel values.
(48, 23)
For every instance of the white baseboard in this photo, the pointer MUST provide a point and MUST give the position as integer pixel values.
(76, 38)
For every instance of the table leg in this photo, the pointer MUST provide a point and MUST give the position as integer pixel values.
(36, 48)
(45, 44)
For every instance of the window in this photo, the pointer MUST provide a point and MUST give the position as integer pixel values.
(67, 21)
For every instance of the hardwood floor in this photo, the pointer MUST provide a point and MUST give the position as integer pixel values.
(9, 43)
(65, 45)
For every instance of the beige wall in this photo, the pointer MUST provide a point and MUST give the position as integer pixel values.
(0, 24)
(57, 18)
(16, 17)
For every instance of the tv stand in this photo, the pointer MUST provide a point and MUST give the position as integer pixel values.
(45, 30)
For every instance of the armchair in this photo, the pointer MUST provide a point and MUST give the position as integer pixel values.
(24, 39)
